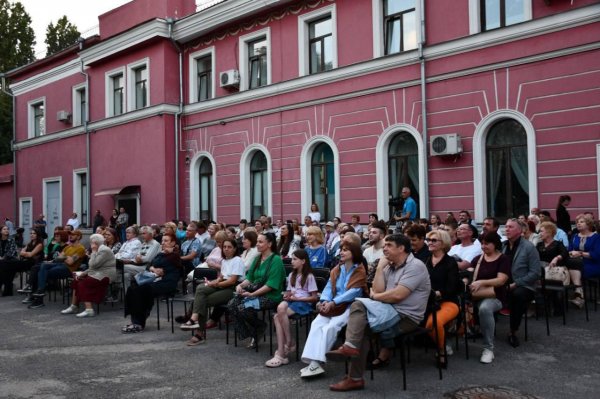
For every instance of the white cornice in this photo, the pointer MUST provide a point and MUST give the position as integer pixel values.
(139, 34)
(100, 125)
(53, 75)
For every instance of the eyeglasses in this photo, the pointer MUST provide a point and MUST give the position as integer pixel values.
(432, 240)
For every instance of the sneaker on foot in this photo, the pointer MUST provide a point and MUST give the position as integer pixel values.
(70, 310)
(487, 356)
(312, 370)
(25, 290)
(39, 293)
(449, 351)
(87, 313)
(28, 299)
(36, 304)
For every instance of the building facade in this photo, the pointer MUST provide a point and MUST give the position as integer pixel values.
(247, 108)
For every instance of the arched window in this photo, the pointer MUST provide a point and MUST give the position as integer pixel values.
(507, 170)
(403, 167)
(259, 194)
(205, 186)
(323, 180)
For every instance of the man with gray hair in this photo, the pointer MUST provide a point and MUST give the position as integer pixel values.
(148, 250)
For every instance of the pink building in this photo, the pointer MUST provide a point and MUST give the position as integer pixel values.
(251, 107)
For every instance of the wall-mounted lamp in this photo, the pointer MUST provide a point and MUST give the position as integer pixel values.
(187, 160)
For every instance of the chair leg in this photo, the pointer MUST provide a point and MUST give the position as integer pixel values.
(157, 313)
(403, 363)
(526, 318)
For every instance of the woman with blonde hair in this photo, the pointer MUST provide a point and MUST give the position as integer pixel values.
(317, 253)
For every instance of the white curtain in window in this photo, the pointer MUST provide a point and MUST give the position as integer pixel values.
(518, 163)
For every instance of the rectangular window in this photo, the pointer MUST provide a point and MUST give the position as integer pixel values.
(38, 120)
(399, 24)
(141, 90)
(320, 39)
(204, 77)
(500, 13)
(79, 106)
(257, 63)
(117, 95)
(80, 196)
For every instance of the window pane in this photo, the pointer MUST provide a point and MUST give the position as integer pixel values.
(392, 38)
(515, 11)
(204, 71)
(395, 6)
(320, 28)
(409, 31)
(82, 110)
(492, 14)
(315, 57)
(328, 53)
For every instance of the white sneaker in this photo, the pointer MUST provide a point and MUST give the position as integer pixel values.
(87, 313)
(70, 310)
(312, 371)
(487, 356)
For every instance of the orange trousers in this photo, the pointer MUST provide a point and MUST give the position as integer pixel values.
(448, 312)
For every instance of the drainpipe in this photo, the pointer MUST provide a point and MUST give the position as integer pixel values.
(13, 141)
(88, 175)
(425, 194)
(171, 22)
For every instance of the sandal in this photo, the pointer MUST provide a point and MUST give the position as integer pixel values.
(132, 328)
(379, 363)
(196, 340)
(277, 361)
(190, 325)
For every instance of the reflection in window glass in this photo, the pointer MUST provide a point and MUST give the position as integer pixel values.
(403, 166)
(205, 190)
(141, 89)
(259, 200)
(204, 70)
(399, 26)
(323, 180)
(320, 45)
(257, 63)
(499, 13)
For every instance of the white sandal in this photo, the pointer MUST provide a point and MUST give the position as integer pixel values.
(277, 361)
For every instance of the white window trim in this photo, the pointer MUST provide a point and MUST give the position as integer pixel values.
(136, 197)
(303, 37)
(479, 159)
(21, 222)
(243, 48)
(195, 188)
(245, 210)
(31, 116)
(108, 103)
(475, 14)
(378, 39)
(77, 120)
(193, 73)
(381, 167)
(130, 83)
(306, 175)
(45, 182)
(77, 194)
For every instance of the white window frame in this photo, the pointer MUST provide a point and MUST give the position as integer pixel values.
(76, 96)
(130, 83)
(479, 159)
(303, 37)
(243, 48)
(31, 116)
(246, 159)
(306, 172)
(77, 200)
(108, 90)
(195, 188)
(378, 39)
(193, 73)
(381, 165)
(475, 15)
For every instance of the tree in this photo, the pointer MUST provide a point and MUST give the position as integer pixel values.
(16, 49)
(60, 36)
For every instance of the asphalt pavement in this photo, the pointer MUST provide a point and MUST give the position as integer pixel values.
(44, 354)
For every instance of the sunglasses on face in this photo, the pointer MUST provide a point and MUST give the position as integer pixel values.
(432, 240)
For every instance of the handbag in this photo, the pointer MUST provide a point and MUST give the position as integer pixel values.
(336, 310)
(145, 277)
(558, 274)
(257, 285)
(483, 292)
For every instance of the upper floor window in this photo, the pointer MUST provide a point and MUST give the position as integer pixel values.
(79, 105)
(317, 43)
(255, 53)
(204, 74)
(485, 15)
(115, 92)
(138, 84)
(37, 118)
(399, 21)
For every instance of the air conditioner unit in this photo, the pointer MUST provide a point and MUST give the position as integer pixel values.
(446, 144)
(230, 78)
(63, 116)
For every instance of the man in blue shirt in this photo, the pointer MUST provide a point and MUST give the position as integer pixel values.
(409, 210)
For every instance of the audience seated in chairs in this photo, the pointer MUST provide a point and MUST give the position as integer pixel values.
(214, 293)
(129, 249)
(347, 281)
(8, 260)
(90, 285)
(396, 305)
(317, 252)
(249, 244)
(299, 298)
(468, 248)
(30, 260)
(488, 289)
(585, 255)
(67, 262)
(287, 244)
(139, 299)
(261, 290)
(148, 249)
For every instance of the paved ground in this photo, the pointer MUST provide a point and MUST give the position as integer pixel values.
(44, 354)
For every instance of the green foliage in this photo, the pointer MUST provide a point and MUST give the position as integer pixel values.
(17, 40)
(60, 36)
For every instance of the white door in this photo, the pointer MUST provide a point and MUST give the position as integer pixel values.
(25, 217)
(53, 202)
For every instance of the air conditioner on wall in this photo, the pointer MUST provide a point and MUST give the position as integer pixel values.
(63, 116)
(230, 78)
(445, 144)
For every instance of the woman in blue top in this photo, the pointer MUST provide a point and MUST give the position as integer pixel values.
(584, 255)
(317, 253)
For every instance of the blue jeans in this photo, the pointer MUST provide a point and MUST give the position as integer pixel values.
(51, 270)
(487, 324)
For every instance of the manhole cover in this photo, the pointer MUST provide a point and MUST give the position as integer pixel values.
(488, 392)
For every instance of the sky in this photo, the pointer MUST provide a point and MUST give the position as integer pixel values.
(82, 13)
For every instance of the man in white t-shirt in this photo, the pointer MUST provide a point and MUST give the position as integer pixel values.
(374, 251)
